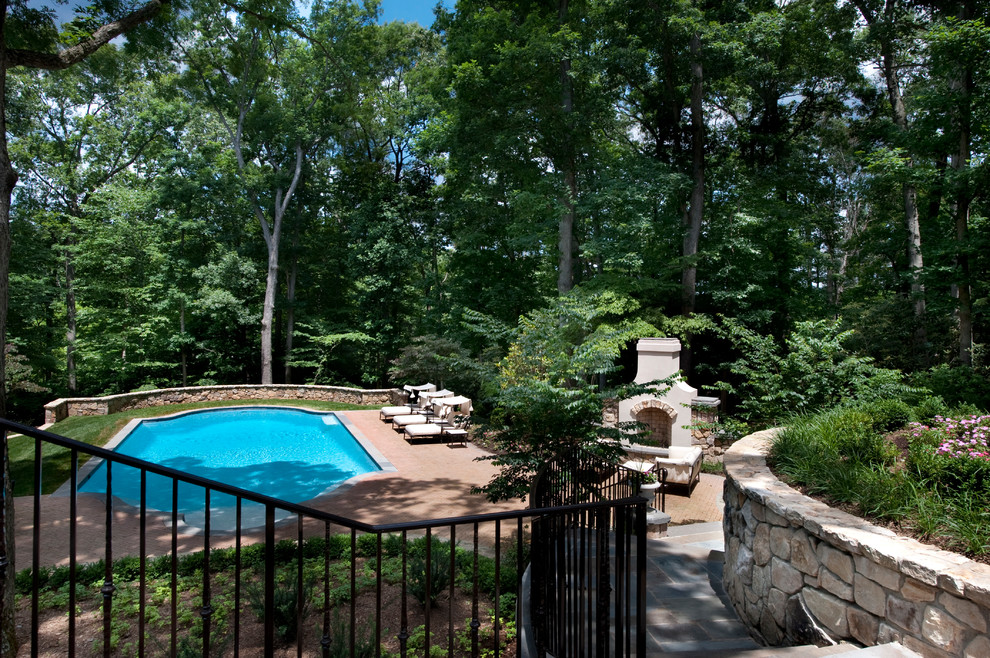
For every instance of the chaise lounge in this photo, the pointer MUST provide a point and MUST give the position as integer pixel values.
(683, 463)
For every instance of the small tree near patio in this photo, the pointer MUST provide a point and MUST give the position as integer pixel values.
(547, 397)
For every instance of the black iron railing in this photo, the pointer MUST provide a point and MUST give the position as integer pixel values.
(332, 587)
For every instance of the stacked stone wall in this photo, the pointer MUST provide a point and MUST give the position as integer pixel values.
(63, 408)
(798, 571)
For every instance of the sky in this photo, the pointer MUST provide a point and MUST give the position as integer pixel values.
(411, 11)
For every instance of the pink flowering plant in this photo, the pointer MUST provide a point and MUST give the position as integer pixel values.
(953, 452)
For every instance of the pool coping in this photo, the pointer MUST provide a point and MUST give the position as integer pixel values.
(384, 465)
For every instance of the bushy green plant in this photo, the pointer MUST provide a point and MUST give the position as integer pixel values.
(340, 637)
(545, 389)
(438, 575)
(439, 360)
(811, 371)
(928, 408)
(888, 414)
(957, 384)
(367, 545)
(285, 605)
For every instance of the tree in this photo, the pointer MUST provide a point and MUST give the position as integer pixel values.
(276, 91)
(547, 398)
(88, 126)
(523, 120)
(892, 27)
(23, 46)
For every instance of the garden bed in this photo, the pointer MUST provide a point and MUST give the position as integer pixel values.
(447, 611)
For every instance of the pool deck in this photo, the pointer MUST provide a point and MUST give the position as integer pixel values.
(432, 480)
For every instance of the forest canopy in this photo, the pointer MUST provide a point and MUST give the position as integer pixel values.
(253, 192)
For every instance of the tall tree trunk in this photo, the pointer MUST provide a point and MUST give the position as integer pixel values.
(8, 179)
(268, 310)
(696, 206)
(70, 314)
(912, 223)
(963, 85)
(290, 306)
(565, 230)
(182, 333)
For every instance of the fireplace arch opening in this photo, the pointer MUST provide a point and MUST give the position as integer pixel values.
(658, 418)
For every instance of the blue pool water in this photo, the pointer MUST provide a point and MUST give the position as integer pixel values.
(289, 454)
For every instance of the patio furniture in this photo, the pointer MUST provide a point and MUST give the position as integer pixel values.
(387, 413)
(683, 464)
(415, 392)
(400, 422)
(455, 435)
(422, 431)
(456, 404)
(429, 396)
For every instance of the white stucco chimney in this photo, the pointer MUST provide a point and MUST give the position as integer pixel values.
(659, 358)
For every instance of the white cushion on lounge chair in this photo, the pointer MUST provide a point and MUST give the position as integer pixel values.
(387, 412)
(422, 430)
(407, 419)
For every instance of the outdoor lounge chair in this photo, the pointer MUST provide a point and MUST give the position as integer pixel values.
(387, 413)
(399, 422)
(428, 397)
(457, 405)
(422, 431)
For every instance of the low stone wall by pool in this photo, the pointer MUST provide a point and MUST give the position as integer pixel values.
(63, 408)
(798, 571)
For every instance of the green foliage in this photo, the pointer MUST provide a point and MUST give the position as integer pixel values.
(546, 401)
(439, 360)
(437, 576)
(340, 634)
(956, 384)
(841, 454)
(285, 605)
(812, 371)
(887, 415)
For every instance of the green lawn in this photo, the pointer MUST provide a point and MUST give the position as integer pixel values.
(97, 430)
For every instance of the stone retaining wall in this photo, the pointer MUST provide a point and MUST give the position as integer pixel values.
(63, 408)
(798, 571)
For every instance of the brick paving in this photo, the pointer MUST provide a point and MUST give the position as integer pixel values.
(432, 480)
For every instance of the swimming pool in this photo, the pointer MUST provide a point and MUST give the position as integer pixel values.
(291, 454)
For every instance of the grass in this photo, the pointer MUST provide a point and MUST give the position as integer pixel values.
(98, 430)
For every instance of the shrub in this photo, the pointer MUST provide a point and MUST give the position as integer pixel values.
(813, 370)
(957, 384)
(285, 605)
(340, 635)
(367, 545)
(438, 576)
(888, 414)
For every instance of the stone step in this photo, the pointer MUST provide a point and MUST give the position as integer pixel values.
(709, 534)
(892, 650)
